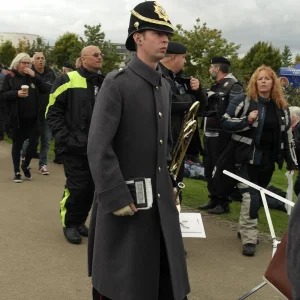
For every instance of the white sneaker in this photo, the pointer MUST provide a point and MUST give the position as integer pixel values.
(43, 170)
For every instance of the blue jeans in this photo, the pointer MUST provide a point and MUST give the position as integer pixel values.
(45, 144)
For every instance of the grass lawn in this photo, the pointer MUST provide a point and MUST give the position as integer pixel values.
(195, 194)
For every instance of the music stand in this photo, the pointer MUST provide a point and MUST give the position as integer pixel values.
(275, 242)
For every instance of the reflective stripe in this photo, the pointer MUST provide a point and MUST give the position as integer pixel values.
(63, 209)
(241, 139)
(76, 81)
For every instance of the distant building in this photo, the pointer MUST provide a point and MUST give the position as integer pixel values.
(121, 50)
(15, 37)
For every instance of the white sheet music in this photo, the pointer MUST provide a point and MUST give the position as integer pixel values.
(191, 225)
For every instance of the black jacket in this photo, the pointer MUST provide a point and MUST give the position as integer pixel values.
(70, 109)
(21, 109)
(48, 76)
(235, 121)
(182, 99)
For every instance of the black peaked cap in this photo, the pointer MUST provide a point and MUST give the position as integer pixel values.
(220, 60)
(176, 48)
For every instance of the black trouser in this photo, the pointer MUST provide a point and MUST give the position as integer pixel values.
(261, 175)
(79, 190)
(19, 135)
(2, 122)
(213, 148)
(165, 291)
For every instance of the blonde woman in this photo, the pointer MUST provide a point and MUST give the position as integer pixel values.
(20, 91)
(260, 124)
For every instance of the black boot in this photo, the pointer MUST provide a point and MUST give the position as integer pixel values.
(208, 205)
(83, 230)
(72, 235)
(219, 209)
(58, 160)
(249, 249)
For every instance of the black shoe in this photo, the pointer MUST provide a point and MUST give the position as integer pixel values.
(57, 160)
(208, 205)
(83, 230)
(249, 249)
(18, 178)
(219, 209)
(26, 172)
(72, 235)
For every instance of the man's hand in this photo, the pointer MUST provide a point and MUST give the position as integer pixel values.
(29, 72)
(195, 83)
(128, 210)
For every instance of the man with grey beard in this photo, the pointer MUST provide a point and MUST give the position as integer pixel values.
(225, 88)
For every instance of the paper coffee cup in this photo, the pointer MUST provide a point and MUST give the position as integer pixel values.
(25, 88)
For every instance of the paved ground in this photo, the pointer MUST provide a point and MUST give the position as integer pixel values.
(36, 263)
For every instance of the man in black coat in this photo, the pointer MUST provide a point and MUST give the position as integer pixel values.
(69, 115)
(185, 91)
(135, 245)
(225, 88)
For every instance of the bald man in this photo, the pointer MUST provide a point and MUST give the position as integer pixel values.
(69, 115)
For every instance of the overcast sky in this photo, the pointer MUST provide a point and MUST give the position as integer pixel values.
(243, 22)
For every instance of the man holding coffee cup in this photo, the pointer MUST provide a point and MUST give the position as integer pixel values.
(20, 91)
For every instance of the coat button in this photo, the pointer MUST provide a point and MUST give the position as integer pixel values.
(159, 169)
(161, 142)
(157, 88)
(160, 114)
(158, 196)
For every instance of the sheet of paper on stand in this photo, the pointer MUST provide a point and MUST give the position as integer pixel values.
(191, 225)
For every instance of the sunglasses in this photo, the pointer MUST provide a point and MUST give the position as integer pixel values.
(96, 54)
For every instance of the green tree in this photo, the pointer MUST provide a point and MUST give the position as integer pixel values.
(286, 57)
(7, 52)
(203, 43)
(94, 36)
(67, 48)
(38, 45)
(259, 54)
(297, 58)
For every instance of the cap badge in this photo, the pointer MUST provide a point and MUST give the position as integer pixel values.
(160, 11)
(136, 25)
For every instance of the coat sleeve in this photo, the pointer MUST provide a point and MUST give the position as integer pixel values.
(289, 145)
(293, 250)
(110, 187)
(6, 92)
(55, 112)
(234, 120)
(40, 84)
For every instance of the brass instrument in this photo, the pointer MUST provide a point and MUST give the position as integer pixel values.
(187, 130)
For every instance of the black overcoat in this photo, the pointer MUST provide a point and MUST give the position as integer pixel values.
(130, 138)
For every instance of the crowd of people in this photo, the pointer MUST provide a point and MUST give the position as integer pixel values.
(114, 136)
